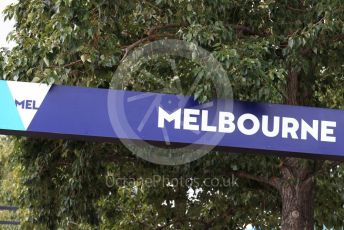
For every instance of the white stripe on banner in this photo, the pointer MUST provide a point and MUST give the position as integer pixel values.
(28, 98)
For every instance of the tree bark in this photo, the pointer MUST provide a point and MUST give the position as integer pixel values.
(297, 187)
(297, 193)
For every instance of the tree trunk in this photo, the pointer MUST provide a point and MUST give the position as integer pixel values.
(297, 181)
(297, 193)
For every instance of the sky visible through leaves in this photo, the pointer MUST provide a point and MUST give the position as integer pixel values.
(5, 26)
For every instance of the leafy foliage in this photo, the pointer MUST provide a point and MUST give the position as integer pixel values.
(81, 42)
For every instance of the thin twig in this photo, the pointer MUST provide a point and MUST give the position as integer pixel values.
(295, 9)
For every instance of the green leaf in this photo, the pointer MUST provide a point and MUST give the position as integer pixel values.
(36, 80)
(46, 61)
(83, 58)
(291, 43)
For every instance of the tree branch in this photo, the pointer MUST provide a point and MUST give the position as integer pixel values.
(248, 30)
(132, 46)
(338, 38)
(71, 64)
(273, 181)
(152, 37)
(154, 29)
(66, 65)
(296, 9)
(244, 29)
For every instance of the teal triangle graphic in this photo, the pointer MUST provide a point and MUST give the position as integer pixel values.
(9, 117)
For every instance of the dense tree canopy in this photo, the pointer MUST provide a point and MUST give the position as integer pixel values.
(286, 51)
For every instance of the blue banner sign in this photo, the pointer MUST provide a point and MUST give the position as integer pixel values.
(67, 112)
